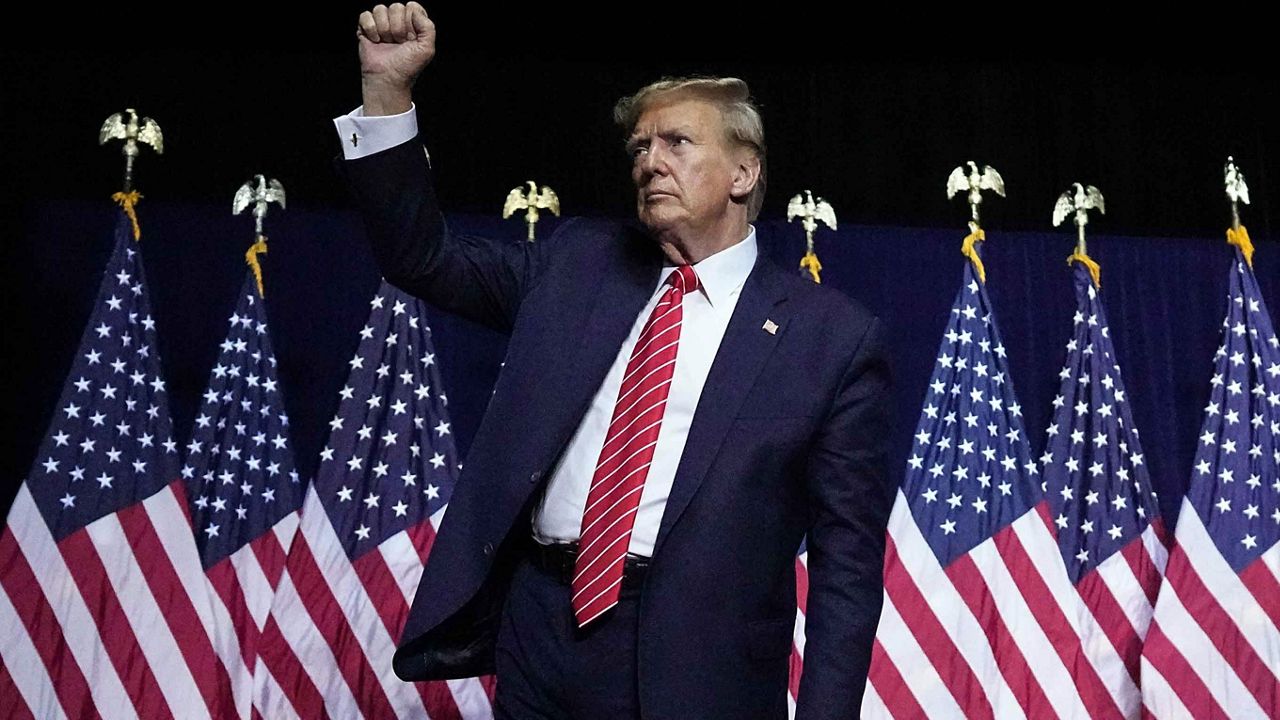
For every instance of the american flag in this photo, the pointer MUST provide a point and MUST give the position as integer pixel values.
(979, 616)
(1102, 502)
(244, 490)
(104, 603)
(366, 527)
(1214, 645)
(797, 646)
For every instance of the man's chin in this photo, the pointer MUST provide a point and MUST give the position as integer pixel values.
(656, 222)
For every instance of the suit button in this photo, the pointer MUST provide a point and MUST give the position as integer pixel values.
(535, 477)
(488, 549)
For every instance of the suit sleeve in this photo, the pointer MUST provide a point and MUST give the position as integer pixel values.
(851, 496)
(481, 279)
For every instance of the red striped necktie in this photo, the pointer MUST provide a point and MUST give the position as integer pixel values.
(624, 461)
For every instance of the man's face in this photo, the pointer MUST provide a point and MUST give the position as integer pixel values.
(683, 166)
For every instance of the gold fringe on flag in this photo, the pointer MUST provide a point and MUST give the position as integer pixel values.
(970, 250)
(127, 200)
(1240, 238)
(810, 262)
(251, 257)
(1095, 272)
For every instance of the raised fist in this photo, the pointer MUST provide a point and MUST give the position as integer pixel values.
(396, 42)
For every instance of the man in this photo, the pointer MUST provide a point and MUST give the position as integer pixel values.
(674, 414)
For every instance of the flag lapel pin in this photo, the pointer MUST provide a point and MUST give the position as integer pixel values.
(770, 327)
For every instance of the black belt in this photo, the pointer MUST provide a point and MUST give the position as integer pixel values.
(557, 560)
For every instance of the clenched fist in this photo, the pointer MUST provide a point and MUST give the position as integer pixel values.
(396, 42)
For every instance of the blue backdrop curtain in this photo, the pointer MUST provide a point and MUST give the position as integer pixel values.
(1165, 298)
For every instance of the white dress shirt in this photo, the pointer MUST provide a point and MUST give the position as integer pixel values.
(706, 314)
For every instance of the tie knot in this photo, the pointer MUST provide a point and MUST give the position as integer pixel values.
(684, 278)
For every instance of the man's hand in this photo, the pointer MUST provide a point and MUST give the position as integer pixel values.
(396, 42)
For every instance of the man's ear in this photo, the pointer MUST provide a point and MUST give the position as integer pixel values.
(745, 174)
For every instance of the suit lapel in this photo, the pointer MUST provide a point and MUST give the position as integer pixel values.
(743, 350)
(617, 299)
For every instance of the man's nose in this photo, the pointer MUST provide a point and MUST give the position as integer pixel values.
(654, 160)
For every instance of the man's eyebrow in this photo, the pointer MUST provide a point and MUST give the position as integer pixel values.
(639, 138)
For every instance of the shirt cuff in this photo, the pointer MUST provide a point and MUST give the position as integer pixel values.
(363, 135)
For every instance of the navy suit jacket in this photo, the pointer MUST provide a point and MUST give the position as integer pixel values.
(789, 438)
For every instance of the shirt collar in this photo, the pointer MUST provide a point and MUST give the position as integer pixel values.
(724, 272)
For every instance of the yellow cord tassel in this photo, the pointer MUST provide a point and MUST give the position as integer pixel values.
(251, 257)
(810, 262)
(970, 250)
(127, 200)
(1240, 238)
(1094, 271)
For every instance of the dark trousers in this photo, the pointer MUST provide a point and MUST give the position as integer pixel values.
(549, 668)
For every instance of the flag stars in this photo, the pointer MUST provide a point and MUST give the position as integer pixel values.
(437, 460)
(371, 500)
(930, 495)
(1060, 521)
(948, 527)
(1251, 512)
(354, 463)
(1115, 532)
(1119, 503)
(442, 429)
(344, 494)
(1223, 505)
(362, 532)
